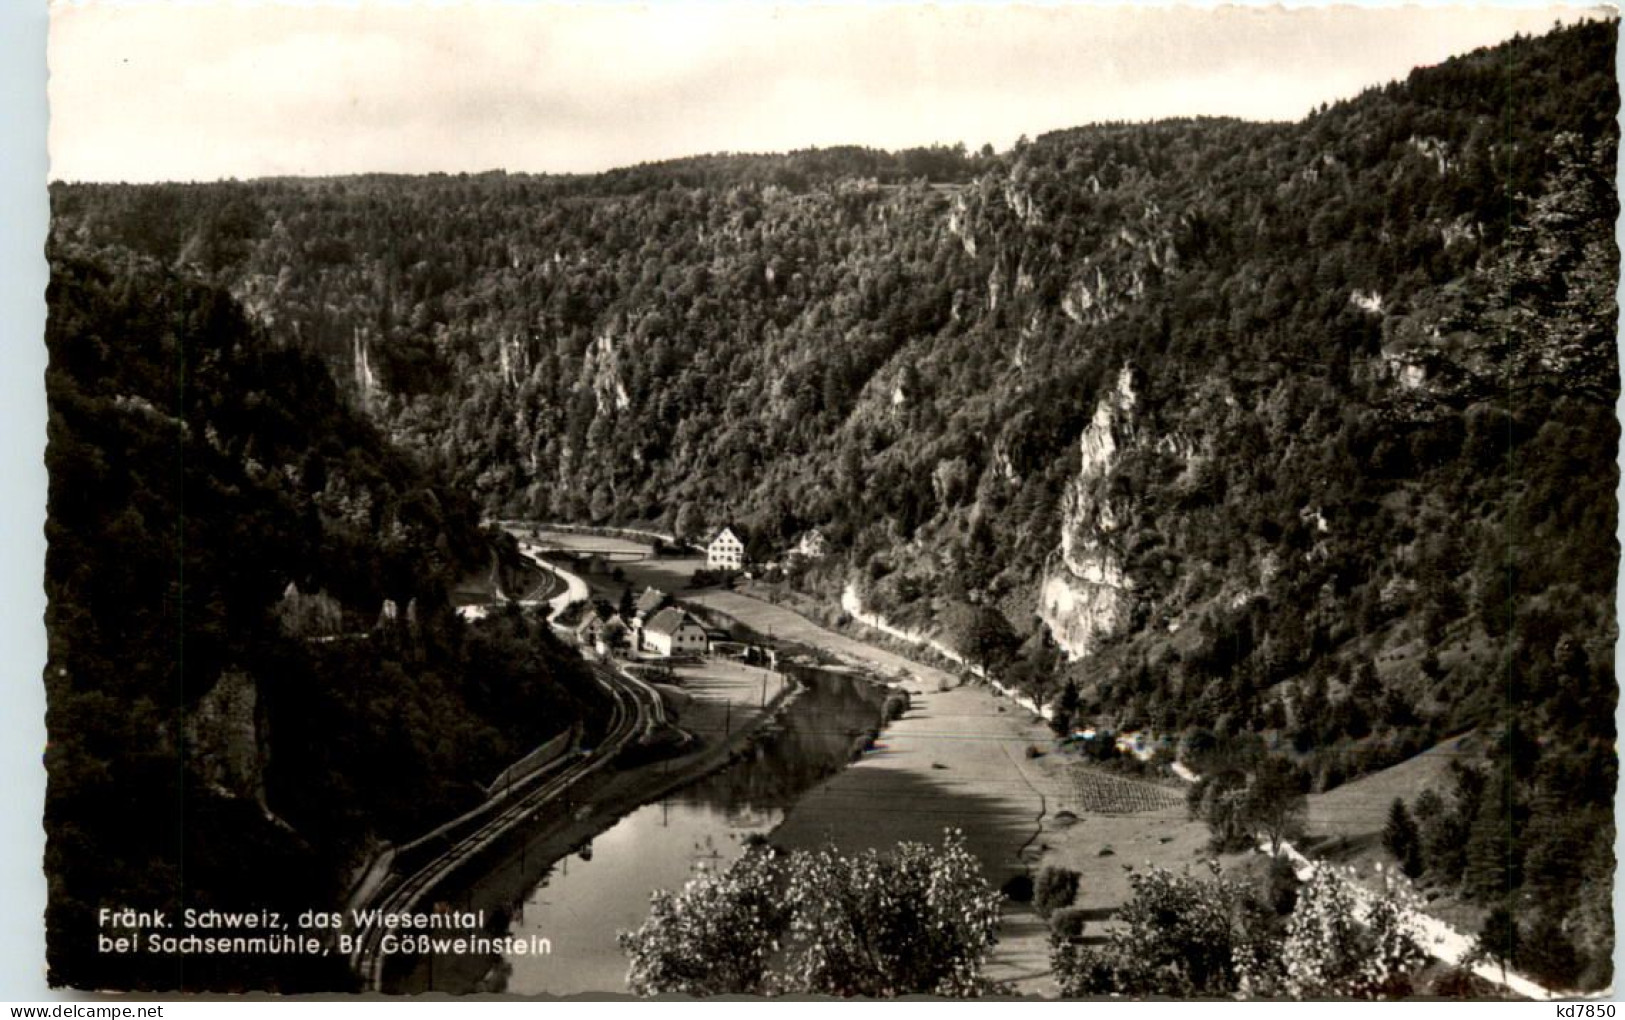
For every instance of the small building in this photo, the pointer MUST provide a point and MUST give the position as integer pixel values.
(674, 632)
(602, 628)
(1142, 744)
(726, 551)
(812, 546)
(309, 616)
(652, 601)
(1132, 743)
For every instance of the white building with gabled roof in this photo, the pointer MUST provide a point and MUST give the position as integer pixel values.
(726, 551)
(674, 632)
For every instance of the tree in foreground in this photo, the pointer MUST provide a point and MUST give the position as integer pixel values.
(1055, 889)
(1181, 936)
(1220, 799)
(1178, 936)
(1065, 710)
(1497, 940)
(715, 937)
(1276, 804)
(917, 920)
(1343, 941)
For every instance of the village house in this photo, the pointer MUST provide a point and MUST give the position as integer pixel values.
(1141, 744)
(674, 632)
(309, 616)
(726, 551)
(601, 629)
(648, 604)
(812, 546)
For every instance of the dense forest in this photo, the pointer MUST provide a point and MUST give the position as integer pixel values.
(1294, 438)
(254, 674)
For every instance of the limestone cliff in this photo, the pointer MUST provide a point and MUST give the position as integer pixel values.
(362, 373)
(223, 739)
(1084, 592)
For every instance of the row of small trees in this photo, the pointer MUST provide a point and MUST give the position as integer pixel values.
(918, 920)
(1240, 804)
(923, 920)
(1184, 936)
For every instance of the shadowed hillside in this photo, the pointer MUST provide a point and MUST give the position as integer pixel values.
(254, 674)
(1294, 438)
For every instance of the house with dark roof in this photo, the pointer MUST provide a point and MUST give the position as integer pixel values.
(649, 603)
(674, 632)
(601, 629)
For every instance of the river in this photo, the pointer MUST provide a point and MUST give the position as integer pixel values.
(580, 903)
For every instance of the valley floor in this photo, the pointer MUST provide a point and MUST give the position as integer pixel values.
(962, 757)
(959, 759)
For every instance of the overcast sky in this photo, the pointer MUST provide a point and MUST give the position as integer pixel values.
(190, 91)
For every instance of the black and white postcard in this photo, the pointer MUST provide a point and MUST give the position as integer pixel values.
(786, 500)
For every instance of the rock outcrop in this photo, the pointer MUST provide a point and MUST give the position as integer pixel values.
(223, 744)
(316, 615)
(362, 373)
(1085, 592)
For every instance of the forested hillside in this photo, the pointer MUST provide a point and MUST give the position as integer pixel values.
(1287, 436)
(254, 675)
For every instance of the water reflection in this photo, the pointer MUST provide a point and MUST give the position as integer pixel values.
(582, 903)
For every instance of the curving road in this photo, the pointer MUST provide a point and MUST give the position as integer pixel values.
(575, 589)
(1436, 937)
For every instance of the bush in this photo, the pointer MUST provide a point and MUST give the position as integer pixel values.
(897, 703)
(1281, 886)
(1067, 924)
(1176, 936)
(917, 920)
(1055, 889)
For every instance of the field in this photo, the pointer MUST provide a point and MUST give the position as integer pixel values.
(717, 698)
(1353, 815)
(1101, 793)
(609, 547)
(1345, 824)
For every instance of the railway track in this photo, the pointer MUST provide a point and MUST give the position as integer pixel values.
(636, 710)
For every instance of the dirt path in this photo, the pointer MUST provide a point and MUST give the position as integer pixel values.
(955, 760)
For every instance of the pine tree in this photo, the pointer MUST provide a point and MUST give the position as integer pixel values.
(1066, 709)
(1402, 840)
(1492, 868)
(1497, 939)
(1548, 954)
